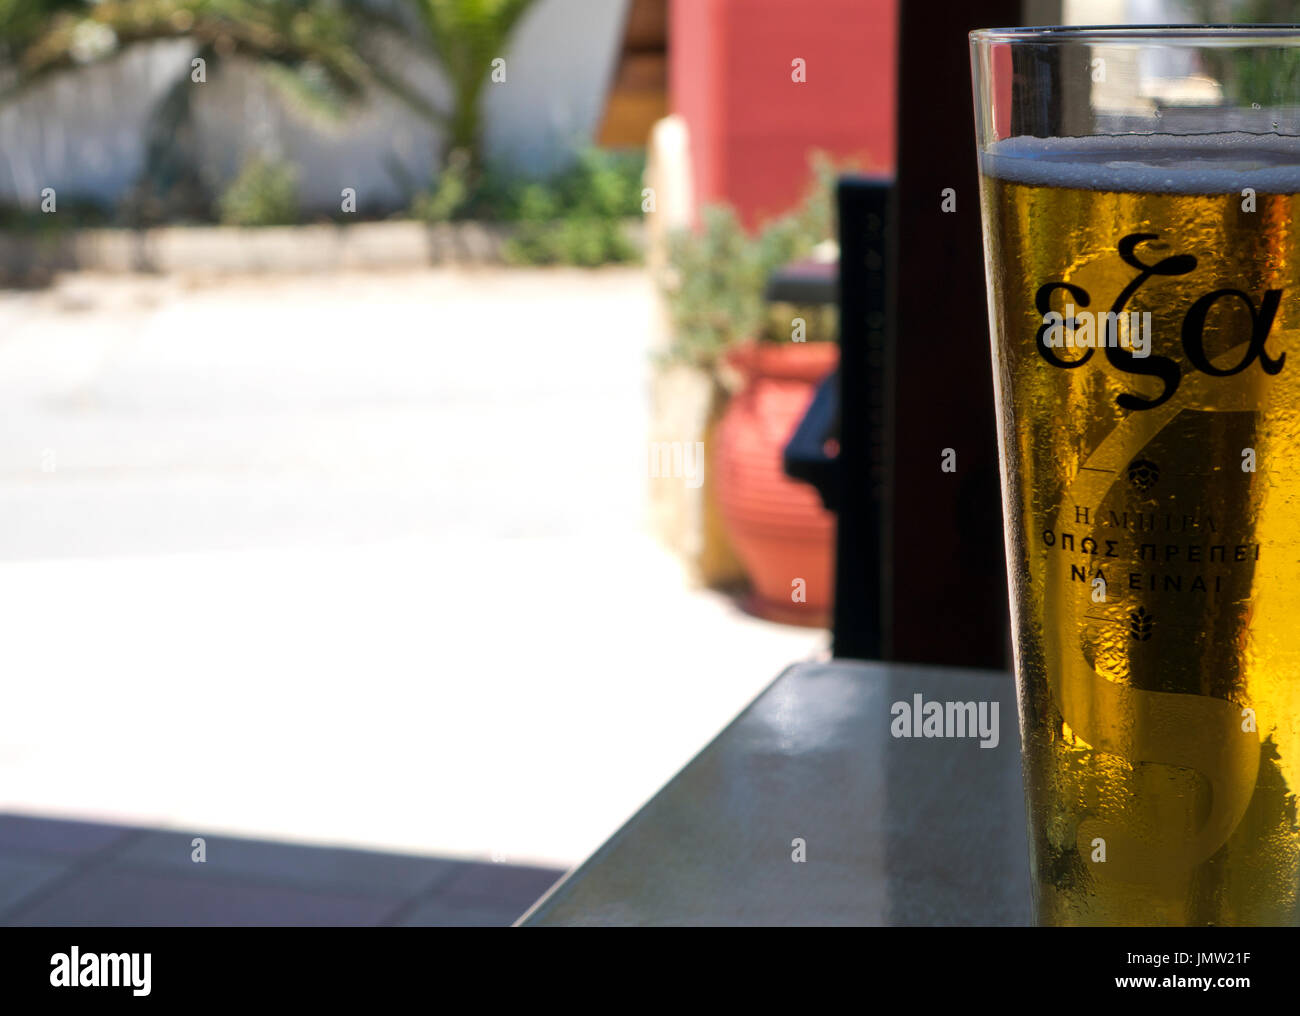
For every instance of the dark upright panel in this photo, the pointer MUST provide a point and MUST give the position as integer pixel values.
(944, 562)
(866, 337)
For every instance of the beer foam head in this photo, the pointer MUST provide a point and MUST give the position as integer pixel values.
(1223, 163)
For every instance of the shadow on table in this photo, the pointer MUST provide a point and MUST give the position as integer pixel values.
(63, 873)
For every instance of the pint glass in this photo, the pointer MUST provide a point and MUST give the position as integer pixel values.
(1140, 193)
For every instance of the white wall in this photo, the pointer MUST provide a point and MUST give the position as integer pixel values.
(83, 133)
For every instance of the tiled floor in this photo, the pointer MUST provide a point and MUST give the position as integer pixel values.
(79, 873)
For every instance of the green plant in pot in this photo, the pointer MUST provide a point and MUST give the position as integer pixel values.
(716, 275)
(770, 358)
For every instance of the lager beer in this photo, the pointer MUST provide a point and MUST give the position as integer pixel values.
(1144, 303)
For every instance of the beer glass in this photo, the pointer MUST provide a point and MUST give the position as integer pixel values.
(1140, 193)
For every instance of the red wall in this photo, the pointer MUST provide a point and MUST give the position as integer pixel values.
(752, 127)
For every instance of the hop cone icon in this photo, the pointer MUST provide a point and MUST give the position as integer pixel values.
(1139, 624)
(1143, 474)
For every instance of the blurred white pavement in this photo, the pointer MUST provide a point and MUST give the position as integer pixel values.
(353, 559)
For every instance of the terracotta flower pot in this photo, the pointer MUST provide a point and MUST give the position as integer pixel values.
(778, 526)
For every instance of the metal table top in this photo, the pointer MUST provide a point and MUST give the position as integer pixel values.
(895, 830)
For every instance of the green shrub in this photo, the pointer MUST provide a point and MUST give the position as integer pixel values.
(601, 184)
(449, 196)
(265, 193)
(73, 213)
(714, 287)
(577, 216)
(716, 276)
(1268, 77)
(586, 242)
